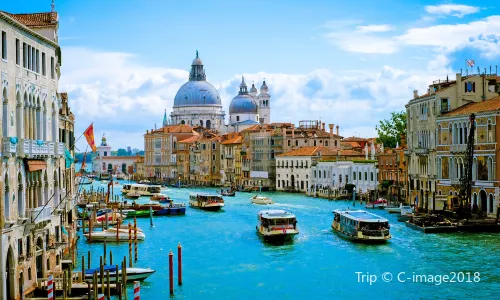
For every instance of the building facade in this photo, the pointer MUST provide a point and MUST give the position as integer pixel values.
(37, 177)
(107, 163)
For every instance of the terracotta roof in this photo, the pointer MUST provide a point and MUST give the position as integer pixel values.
(348, 152)
(355, 139)
(350, 145)
(234, 140)
(35, 19)
(190, 139)
(476, 107)
(310, 151)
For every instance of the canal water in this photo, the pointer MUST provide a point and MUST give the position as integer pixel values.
(223, 257)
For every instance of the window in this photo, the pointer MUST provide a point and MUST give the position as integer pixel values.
(33, 59)
(38, 61)
(25, 55)
(366, 176)
(52, 73)
(4, 45)
(444, 105)
(29, 57)
(237, 118)
(18, 53)
(44, 65)
(354, 175)
(105, 153)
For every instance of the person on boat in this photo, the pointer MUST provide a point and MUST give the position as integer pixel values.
(294, 223)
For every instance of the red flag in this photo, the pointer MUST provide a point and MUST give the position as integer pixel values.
(89, 135)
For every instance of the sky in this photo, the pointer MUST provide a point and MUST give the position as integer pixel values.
(349, 63)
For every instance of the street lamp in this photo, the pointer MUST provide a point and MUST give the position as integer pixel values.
(179, 181)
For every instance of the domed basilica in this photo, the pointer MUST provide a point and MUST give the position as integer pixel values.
(198, 103)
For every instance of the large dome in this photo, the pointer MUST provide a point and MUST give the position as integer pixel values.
(243, 104)
(197, 93)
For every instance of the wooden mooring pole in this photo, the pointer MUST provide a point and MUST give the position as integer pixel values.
(136, 254)
(179, 264)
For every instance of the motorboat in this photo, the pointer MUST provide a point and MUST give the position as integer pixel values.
(143, 189)
(133, 274)
(229, 193)
(206, 201)
(261, 200)
(132, 195)
(172, 209)
(361, 226)
(159, 197)
(380, 203)
(111, 234)
(81, 180)
(276, 225)
(394, 210)
(138, 213)
(406, 213)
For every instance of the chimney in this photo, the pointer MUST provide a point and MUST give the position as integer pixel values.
(284, 131)
(293, 131)
(338, 130)
(415, 94)
(331, 130)
(323, 126)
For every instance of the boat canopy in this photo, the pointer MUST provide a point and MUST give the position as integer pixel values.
(360, 215)
(276, 214)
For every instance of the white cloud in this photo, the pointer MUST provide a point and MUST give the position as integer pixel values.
(455, 10)
(124, 98)
(375, 28)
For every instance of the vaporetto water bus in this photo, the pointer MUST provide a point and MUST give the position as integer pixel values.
(143, 189)
(361, 226)
(206, 201)
(276, 225)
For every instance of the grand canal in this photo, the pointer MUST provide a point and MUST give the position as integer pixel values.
(223, 257)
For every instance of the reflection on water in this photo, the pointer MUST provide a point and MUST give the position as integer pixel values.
(224, 258)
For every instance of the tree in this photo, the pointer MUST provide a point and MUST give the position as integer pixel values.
(390, 130)
(121, 152)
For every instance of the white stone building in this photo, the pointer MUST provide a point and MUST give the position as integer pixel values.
(36, 191)
(105, 162)
(336, 174)
(197, 102)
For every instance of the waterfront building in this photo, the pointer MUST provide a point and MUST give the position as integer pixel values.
(204, 161)
(422, 111)
(293, 169)
(160, 151)
(452, 136)
(392, 174)
(138, 168)
(107, 163)
(310, 133)
(37, 217)
(231, 148)
(329, 176)
(197, 102)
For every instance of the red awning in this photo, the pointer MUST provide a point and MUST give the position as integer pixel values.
(36, 165)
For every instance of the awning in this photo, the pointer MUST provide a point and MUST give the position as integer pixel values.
(36, 165)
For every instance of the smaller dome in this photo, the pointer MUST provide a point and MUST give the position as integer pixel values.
(243, 104)
(197, 62)
(253, 89)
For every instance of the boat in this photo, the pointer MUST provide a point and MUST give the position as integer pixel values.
(380, 203)
(110, 235)
(133, 274)
(84, 180)
(206, 201)
(394, 209)
(172, 209)
(406, 212)
(361, 226)
(159, 197)
(276, 225)
(132, 195)
(143, 189)
(228, 193)
(138, 213)
(261, 200)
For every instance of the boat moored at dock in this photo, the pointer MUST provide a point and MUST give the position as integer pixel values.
(133, 274)
(111, 235)
(142, 189)
(361, 226)
(206, 201)
(276, 225)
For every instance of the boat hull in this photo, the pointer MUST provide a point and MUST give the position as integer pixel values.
(393, 210)
(363, 239)
(133, 274)
(98, 236)
(170, 211)
(207, 206)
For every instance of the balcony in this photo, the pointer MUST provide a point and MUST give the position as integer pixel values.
(30, 148)
(458, 148)
(229, 170)
(455, 181)
(7, 147)
(39, 214)
(229, 156)
(245, 169)
(421, 151)
(60, 149)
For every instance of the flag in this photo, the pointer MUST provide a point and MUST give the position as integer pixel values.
(89, 135)
(64, 231)
(470, 63)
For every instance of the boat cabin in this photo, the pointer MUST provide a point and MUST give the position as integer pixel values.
(358, 220)
(211, 198)
(277, 219)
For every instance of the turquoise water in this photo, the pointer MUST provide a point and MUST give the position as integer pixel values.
(223, 257)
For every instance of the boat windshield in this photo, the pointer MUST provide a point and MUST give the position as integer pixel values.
(373, 225)
(154, 189)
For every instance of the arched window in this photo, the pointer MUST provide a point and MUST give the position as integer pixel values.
(296, 143)
(5, 115)
(183, 122)
(359, 175)
(314, 143)
(371, 176)
(326, 143)
(366, 176)
(354, 175)
(209, 124)
(324, 174)
(491, 132)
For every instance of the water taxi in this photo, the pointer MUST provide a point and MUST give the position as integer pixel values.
(276, 225)
(361, 226)
(261, 200)
(206, 201)
(143, 189)
(132, 195)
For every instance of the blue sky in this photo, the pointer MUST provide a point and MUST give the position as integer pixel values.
(347, 62)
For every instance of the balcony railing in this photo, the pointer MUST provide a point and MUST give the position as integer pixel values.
(229, 170)
(421, 151)
(458, 148)
(7, 147)
(245, 168)
(60, 149)
(229, 156)
(455, 181)
(39, 214)
(28, 147)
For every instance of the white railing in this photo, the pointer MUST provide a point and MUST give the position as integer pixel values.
(60, 149)
(24, 148)
(51, 147)
(39, 214)
(8, 147)
(229, 156)
(422, 151)
(458, 148)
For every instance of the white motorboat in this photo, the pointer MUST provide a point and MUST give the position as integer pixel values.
(133, 274)
(206, 201)
(394, 210)
(111, 235)
(276, 225)
(261, 200)
(406, 212)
